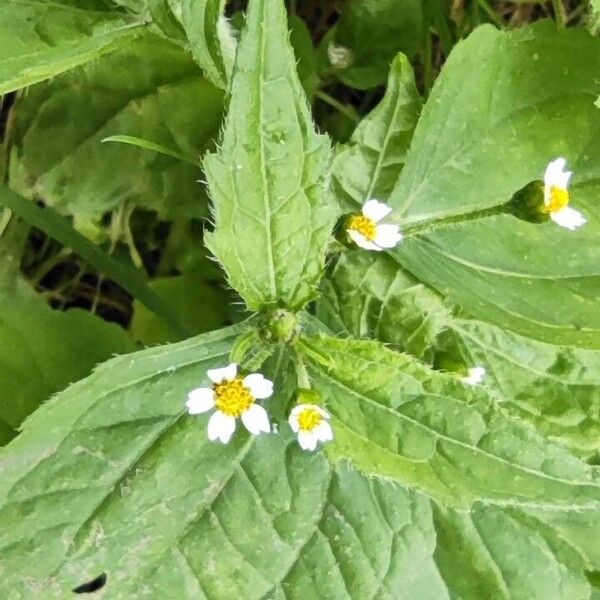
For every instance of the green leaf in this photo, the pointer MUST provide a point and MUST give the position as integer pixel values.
(557, 389)
(127, 277)
(522, 508)
(149, 145)
(150, 89)
(273, 218)
(482, 151)
(40, 39)
(111, 476)
(302, 43)
(366, 295)
(199, 305)
(372, 32)
(163, 17)
(42, 351)
(210, 37)
(554, 388)
(396, 417)
(200, 500)
(480, 140)
(368, 167)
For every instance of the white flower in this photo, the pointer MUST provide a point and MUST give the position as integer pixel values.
(233, 397)
(366, 231)
(310, 422)
(474, 376)
(556, 196)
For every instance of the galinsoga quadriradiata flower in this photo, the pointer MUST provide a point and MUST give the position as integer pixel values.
(474, 376)
(556, 196)
(311, 423)
(232, 396)
(367, 231)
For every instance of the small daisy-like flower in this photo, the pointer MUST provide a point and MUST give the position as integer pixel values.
(556, 196)
(311, 424)
(366, 230)
(474, 376)
(233, 397)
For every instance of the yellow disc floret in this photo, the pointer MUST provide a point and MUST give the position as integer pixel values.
(559, 198)
(363, 225)
(232, 397)
(308, 419)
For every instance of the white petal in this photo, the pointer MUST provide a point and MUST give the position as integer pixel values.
(298, 409)
(256, 420)
(556, 175)
(225, 374)
(474, 376)
(321, 411)
(259, 386)
(307, 440)
(478, 372)
(220, 426)
(387, 236)
(362, 241)
(568, 217)
(293, 421)
(200, 400)
(323, 431)
(375, 210)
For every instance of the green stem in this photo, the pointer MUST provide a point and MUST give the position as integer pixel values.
(49, 264)
(560, 15)
(136, 259)
(426, 227)
(342, 108)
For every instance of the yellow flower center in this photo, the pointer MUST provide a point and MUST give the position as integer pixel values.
(308, 419)
(233, 398)
(559, 198)
(363, 225)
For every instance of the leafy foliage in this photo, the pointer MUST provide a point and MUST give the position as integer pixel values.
(197, 303)
(43, 351)
(478, 142)
(56, 227)
(435, 434)
(193, 541)
(434, 486)
(40, 39)
(426, 429)
(366, 296)
(286, 209)
(211, 40)
(371, 33)
(369, 165)
(57, 153)
(555, 388)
